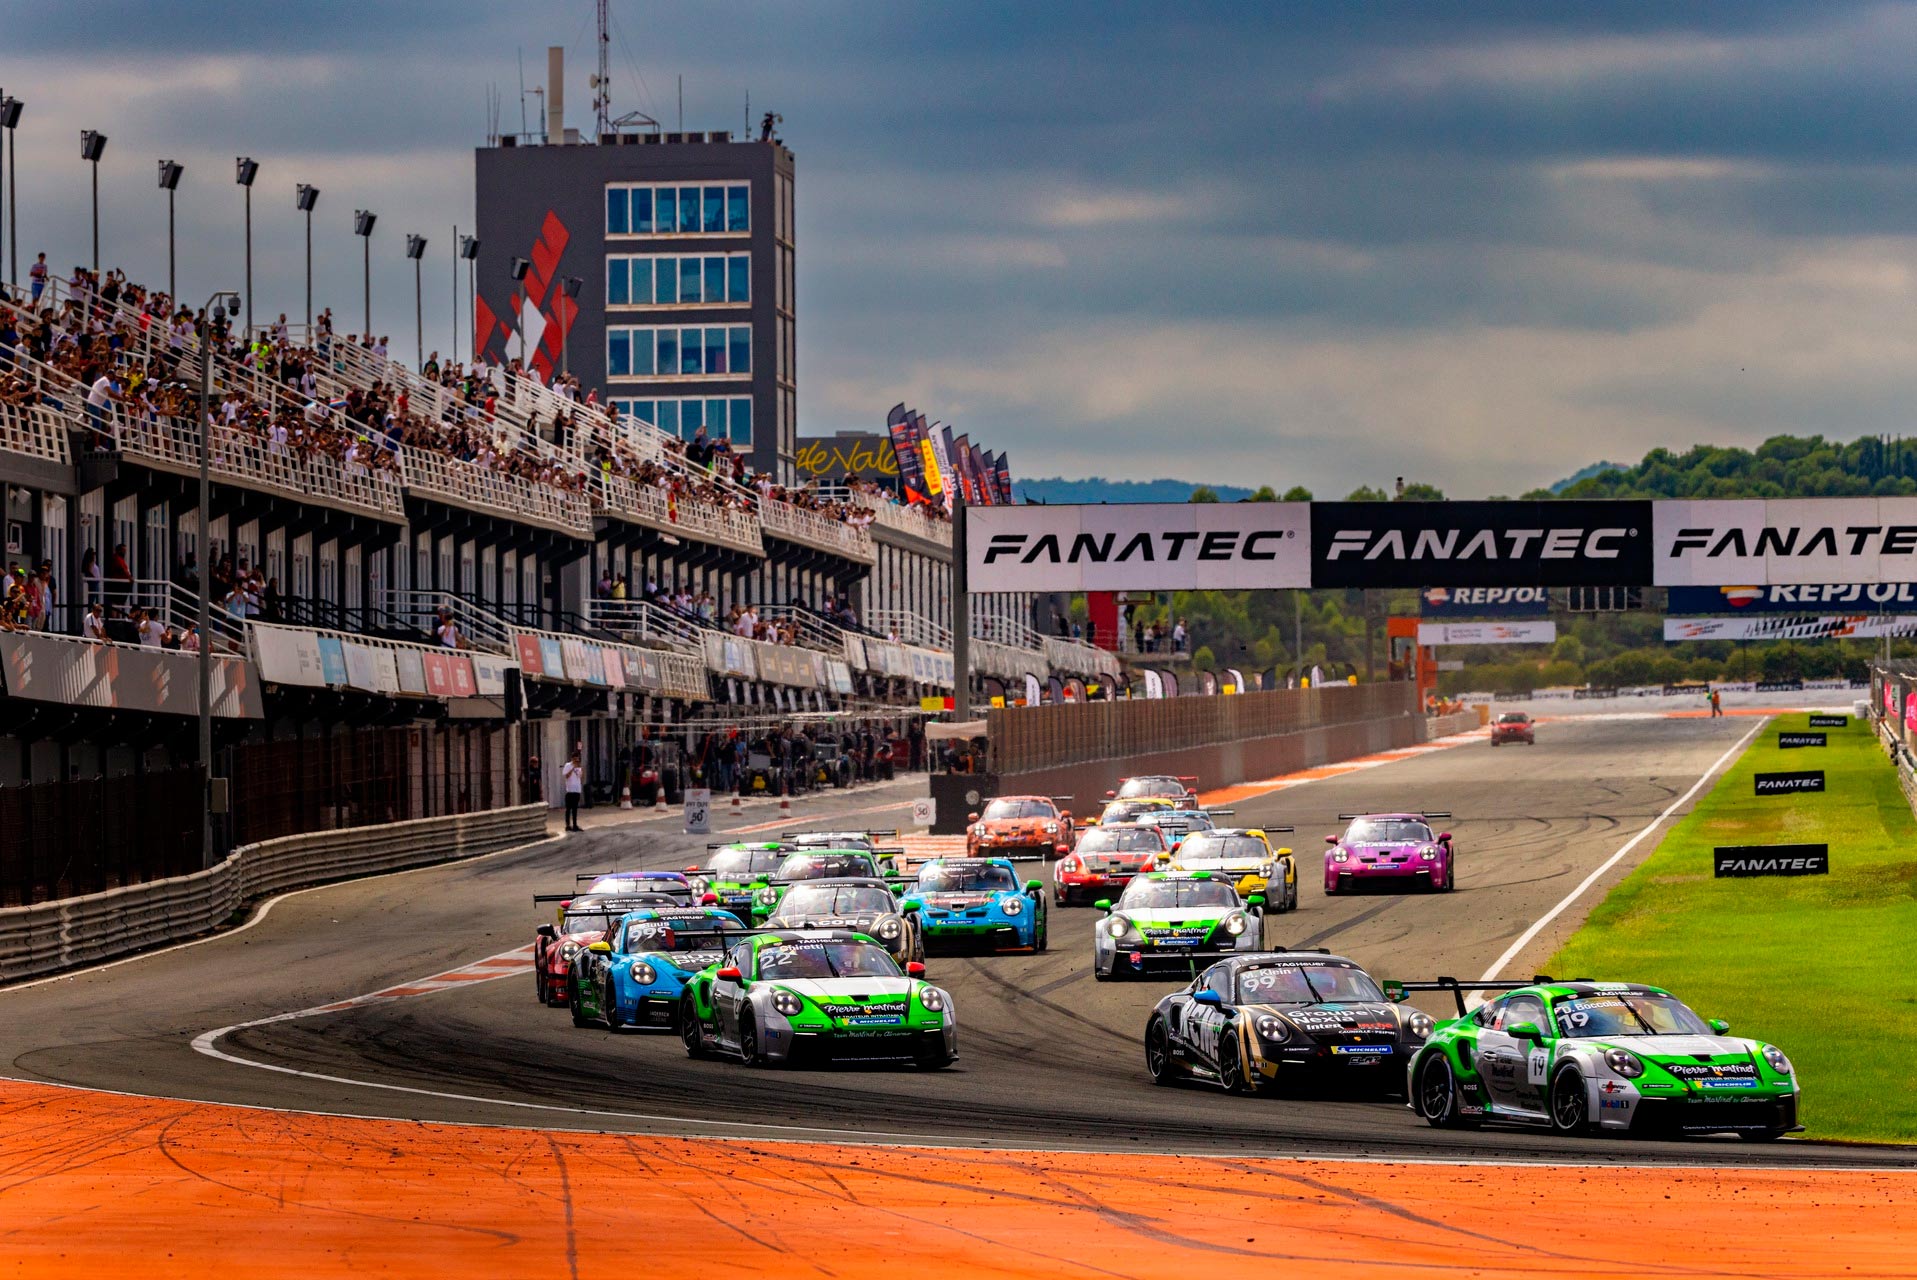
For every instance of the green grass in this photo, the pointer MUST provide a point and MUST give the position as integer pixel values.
(1825, 967)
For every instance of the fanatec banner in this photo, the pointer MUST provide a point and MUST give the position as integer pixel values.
(1480, 544)
(1240, 546)
(1770, 542)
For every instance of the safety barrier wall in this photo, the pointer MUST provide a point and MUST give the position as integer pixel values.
(55, 936)
(1457, 722)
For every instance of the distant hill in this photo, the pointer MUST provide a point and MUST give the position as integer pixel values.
(1098, 489)
(1595, 469)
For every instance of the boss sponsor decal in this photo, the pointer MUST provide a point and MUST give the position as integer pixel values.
(1782, 784)
(1766, 542)
(1787, 739)
(1480, 544)
(1139, 546)
(1829, 722)
(1771, 860)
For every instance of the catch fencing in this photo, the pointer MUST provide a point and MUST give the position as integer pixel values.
(55, 936)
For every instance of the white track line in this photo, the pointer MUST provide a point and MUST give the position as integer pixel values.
(1525, 938)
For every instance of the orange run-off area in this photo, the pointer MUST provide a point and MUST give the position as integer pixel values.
(96, 1184)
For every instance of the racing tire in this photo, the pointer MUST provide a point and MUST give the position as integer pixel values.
(1291, 896)
(692, 1032)
(1099, 975)
(749, 1041)
(1158, 1059)
(1436, 1095)
(610, 1006)
(1450, 880)
(1040, 936)
(1231, 1067)
(1570, 1109)
(934, 1059)
(579, 1018)
(539, 984)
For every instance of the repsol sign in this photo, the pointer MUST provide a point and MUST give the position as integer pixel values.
(1484, 602)
(1789, 784)
(1139, 546)
(1480, 544)
(1770, 860)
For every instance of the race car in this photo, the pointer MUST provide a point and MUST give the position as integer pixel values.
(1117, 812)
(1105, 859)
(1163, 785)
(787, 996)
(811, 864)
(1584, 1056)
(580, 921)
(978, 904)
(1172, 923)
(888, 857)
(1390, 850)
(1176, 823)
(635, 976)
(1020, 827)
(734, 872)
(1244, 856)
(862, 905)
(673, 883)
(1266, 1020)
(1514, 726)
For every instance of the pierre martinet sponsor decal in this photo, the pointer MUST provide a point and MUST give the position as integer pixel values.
(1770, 542)
(1480, 544)
(1781, 784)
(1771, 860)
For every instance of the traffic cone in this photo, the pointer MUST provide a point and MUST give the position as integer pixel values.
(625, 796)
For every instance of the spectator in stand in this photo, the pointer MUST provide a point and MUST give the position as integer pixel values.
(190, 639)
(445, 630)
(119, 575)
(188, 574)
(1138, 636)
(100, 399)
(38, 275)
(270, 603)
(1151, 637)
(169, 639)
(93, 625)
(148, 626)
(1178, 636)
(119, 628)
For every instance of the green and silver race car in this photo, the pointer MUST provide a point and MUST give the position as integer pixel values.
(734, 872)
(1171, 924)
(801, 865)
(1584, 1056)
(785, 996)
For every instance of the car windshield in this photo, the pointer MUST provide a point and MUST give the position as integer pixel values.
(1175, 820)
(833, 840)
(1206, 849)
(1387, 831)
(666, 935)
(1626, 1014)
(1514, 717)
(1178, 893)
(976, 877)
(587, 922)
(825, 866)
(746, 864)
(1132, 787)
(1126, 810)
(1002, 809)
(837, 900)
(822, 959)
(1307, 984)
(1122, 840)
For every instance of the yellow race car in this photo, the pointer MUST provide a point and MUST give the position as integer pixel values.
(1243, 856)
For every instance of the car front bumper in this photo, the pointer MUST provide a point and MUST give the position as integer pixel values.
(975, 935)
(783, 1042)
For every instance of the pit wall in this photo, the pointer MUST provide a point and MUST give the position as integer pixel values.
(1221, 741)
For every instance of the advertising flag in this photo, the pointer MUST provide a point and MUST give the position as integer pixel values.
(968, 478)
(900, 428)
(935, 475)
(948, 460)
(1005, 478)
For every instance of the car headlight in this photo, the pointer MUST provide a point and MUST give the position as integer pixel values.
(700, 887)
(1430, 852)
(1418, 1026)
(1118, 926)
(888, 927)
(1272, 1029)
(1624, 1063)
(1234, 925)
(1339, 855)
(785, 1002)
(1775, 1056)
(1011, 906)
(644, 974)
(768, 895)
(931, 999)
(568, 949)
(1051, 828)
(1068, 864)
(1264, 870)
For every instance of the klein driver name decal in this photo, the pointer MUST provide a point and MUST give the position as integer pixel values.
(1777, 784)
(1829, 722)
(1800, 740)
(1770, 860)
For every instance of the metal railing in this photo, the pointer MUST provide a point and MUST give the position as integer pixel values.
(892, 515)
(652, 507)
(812, 529)
(813, 631)
(910, 628)
(478, 627)
(462, 484)
(647, 619)
(38, 431)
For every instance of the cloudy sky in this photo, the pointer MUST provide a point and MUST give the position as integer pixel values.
(1323, 244)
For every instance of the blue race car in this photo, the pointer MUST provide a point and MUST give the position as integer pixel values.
(636, 978)
(977, 904)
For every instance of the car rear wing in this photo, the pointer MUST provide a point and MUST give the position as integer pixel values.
(1395, 990)
(1219, 813)
(1429, 813)
(553, 897)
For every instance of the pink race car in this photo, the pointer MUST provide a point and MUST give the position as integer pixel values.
(1390, 850)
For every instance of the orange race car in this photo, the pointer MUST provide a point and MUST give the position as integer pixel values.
(1020, 826)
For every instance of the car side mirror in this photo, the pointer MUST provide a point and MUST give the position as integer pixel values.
(971, 817)
(709, 900)
(1331, 839)
(599, 948)
(1444, 837)
(1209, 998)
(1104, 904)
(1720, 1026)
(1064, 815)
(1111, 795)
(914, 969)
(728, 974)
(1061, 849)
(1034, 886)
(1525, 1031)
(910, 905)
(1284, 853)
(547, 931)
(692, 871)
(1255, 900)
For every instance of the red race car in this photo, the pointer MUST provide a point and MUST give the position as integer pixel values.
(1020, 826)
(1514, 726)
(1105, 861)
(581, 921)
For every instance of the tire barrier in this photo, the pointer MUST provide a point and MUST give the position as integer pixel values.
(51, 937)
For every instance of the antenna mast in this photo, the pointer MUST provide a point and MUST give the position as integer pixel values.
(602, 82)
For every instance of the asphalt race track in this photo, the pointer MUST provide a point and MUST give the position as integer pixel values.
(1049, 1059)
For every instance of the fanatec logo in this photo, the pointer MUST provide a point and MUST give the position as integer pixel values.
(1797, 541)
(1479, 544)
(1170, 546)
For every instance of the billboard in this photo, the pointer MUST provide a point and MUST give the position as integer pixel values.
(1772, 541)
(1480, 544)
(1178, 546)
(1853, 597)
(1484, 602)
(1792, 627)
(1487, 632)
